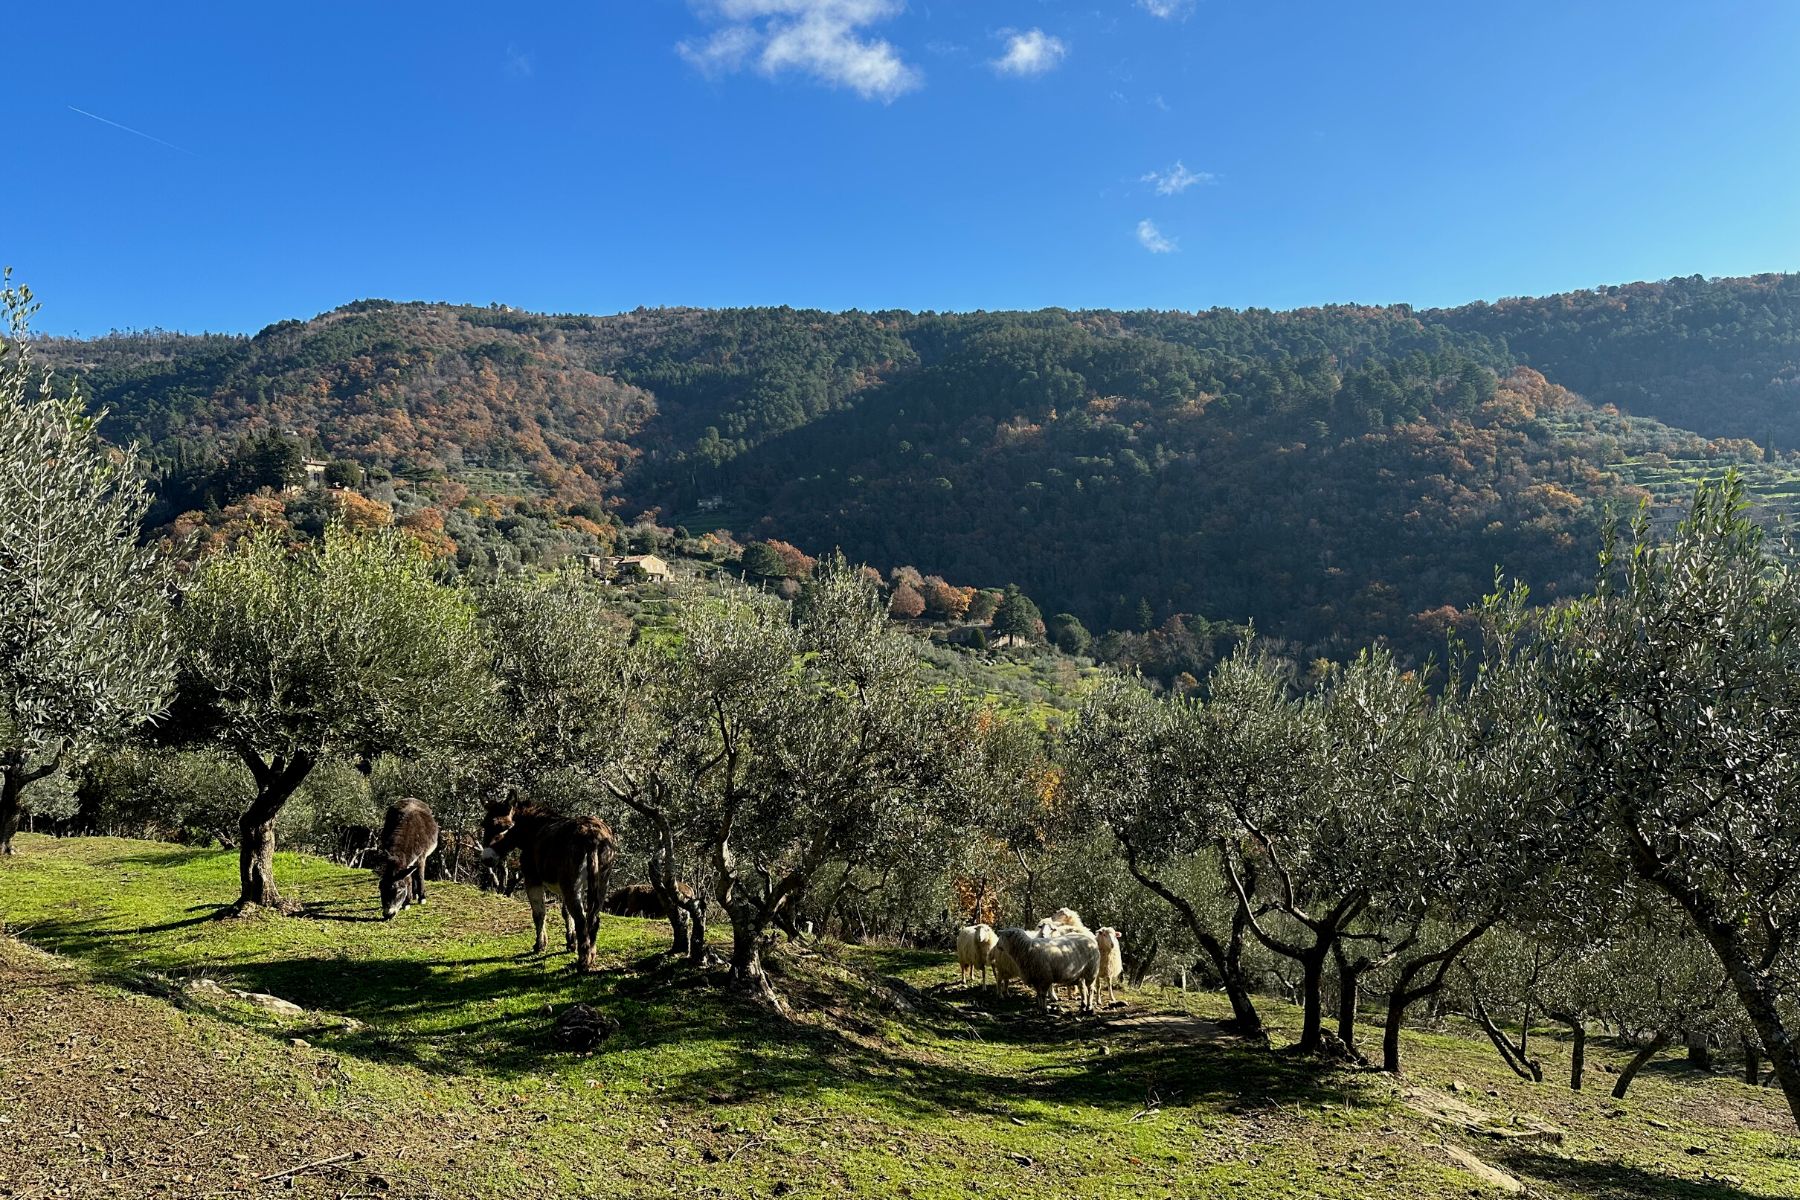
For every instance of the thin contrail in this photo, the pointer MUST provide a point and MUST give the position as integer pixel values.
(128, 129)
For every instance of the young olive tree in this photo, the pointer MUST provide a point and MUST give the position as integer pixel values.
(1482, 828)
(350, 647)
(1325, 838)
(822, 741)
(85, 654)
(1135, 764)
(577, 698)
(1678, 685)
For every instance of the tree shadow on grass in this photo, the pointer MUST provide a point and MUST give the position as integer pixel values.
(905, 1049)
(1617, 1181)
(494, 1017)
(206, 913)
(173, 856)
(349, 911)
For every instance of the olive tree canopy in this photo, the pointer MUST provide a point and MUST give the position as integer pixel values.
(1678, 686)
(84, 650)
(351, 647)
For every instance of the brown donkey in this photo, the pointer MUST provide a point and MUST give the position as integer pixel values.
(570, 857)
(409, 836)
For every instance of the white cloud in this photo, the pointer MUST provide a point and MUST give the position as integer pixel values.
(1176, 180)
(1030, 53)
(1168, 10)
(822, 39)
(518, 63)
(1151, 238)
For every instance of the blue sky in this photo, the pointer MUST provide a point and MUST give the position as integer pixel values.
(281, 159)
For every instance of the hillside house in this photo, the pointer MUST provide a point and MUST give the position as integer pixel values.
(641, 567)
(312, 477)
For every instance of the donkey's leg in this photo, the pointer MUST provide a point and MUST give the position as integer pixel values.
(419, 882)
(578, 929)
(535, 894)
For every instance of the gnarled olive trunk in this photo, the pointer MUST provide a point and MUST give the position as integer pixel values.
(1758, 987)
(1408, 990)
(1227, 957)
(276, 782)
(746, 947)
(687, 913)
(11, 785)
(1638, 1062)
(15, 774)
(1350, 974)
(1513, 1055)
(256, 856)
(1577, 1044)
(1312, 1000)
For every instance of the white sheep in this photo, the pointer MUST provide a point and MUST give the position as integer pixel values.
(1066, 920)
(1112, 961)
(1005, 969)
(1044, 962)
(974, 944)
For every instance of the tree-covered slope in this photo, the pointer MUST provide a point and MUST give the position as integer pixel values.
(1331, 473)
(1718, 356)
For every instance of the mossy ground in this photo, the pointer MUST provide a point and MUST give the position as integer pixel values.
(117, 1077)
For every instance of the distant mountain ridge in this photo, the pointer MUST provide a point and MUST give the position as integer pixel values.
(1331, 473)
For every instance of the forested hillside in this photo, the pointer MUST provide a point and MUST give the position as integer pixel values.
(1717, 356)
(1330, 474)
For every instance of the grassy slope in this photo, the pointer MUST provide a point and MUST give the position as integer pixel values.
(113, 1077)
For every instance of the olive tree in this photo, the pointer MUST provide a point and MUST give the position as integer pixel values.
(1678, 685)
(84, 649)
(1310, 854)
(577, 698)
(1135, 764)
(351, 647)
(822, 742)
(1482, 834)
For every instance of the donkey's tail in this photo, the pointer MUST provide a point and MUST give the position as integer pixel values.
(597, 868)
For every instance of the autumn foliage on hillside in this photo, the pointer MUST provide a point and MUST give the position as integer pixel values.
(1331, 474)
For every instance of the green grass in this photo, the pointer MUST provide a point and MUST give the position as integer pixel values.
(447, 1073)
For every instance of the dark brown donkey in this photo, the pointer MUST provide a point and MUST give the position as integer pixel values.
(570, 857)
(409, 836)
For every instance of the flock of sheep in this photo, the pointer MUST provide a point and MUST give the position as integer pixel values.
(1061, 951)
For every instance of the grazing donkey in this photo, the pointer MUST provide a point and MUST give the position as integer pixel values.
(571, 857)
(409, 836)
